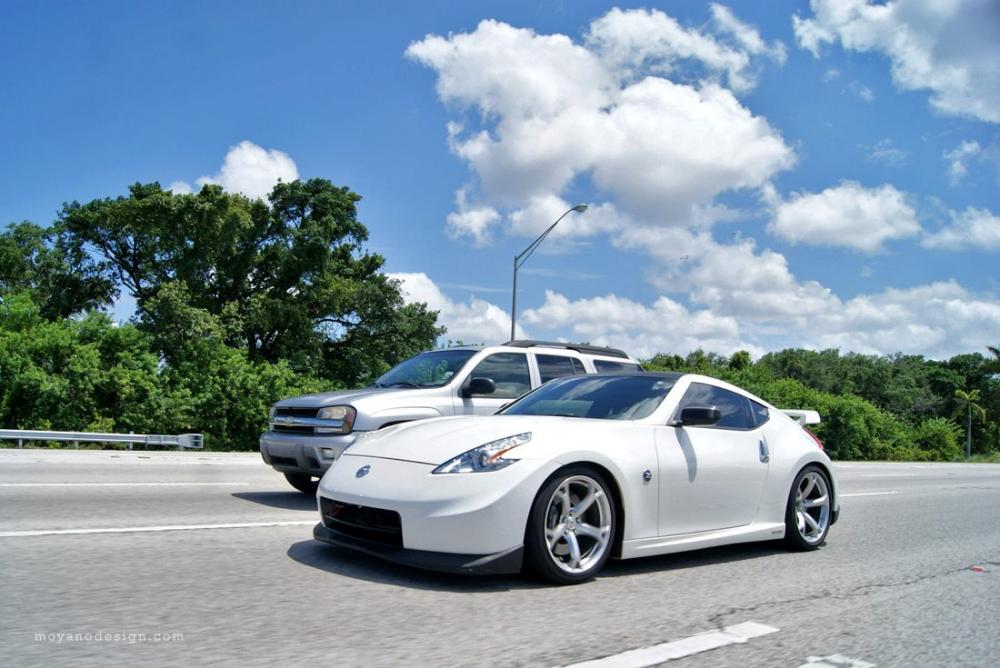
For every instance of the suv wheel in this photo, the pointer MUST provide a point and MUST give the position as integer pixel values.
(303, 482)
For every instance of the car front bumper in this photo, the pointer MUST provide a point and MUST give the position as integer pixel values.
(472, 515)
(506, 561)
(298, 453)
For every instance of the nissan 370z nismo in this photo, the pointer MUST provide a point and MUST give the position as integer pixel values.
(579, 470)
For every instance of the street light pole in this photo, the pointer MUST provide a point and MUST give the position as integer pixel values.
(525, 254)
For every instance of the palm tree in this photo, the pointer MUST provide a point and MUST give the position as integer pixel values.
(967, 404)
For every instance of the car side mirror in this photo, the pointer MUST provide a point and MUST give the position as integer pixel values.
(478, 386)
(698, 416)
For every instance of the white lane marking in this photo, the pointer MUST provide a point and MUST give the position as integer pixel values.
(702, 642)
(870, 493)
(835, 661)
(168, 527)
(123, 484)
(890, 475)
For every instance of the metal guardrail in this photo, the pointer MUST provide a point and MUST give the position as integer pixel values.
(180, 441)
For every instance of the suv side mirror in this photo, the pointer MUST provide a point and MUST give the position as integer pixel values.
(698, 416)
(478, 386)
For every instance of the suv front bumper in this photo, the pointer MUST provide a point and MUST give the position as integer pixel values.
(298, 453)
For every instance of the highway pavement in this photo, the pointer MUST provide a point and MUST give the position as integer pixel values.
(169, 559)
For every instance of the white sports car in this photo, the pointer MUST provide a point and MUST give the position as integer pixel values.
(579, 470)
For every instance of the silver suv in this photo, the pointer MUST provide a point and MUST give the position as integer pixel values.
(308, 433)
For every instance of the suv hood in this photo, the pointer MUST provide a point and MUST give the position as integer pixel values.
(346, 396)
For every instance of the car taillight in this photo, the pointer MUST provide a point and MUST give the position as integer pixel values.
(815, 438)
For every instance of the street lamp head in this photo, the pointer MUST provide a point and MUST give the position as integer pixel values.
(580, 208)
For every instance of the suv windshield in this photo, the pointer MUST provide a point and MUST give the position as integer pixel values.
(601, 397)
(431, 369)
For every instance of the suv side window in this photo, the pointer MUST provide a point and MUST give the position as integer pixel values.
(578, 369)
(508, 370)
(557, 366)
(735, 408)
(604, 365)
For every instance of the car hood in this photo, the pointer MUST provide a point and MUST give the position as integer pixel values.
(437, 440)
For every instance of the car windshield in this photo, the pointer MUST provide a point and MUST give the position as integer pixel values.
(431, 369)
(600, 397)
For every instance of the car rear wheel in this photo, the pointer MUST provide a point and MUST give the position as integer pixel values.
(303, 482)
(807, 518)
(571, 527)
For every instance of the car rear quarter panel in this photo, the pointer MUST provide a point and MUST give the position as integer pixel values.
(791, 450)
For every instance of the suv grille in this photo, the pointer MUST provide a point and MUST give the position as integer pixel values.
(294, 412)
(372, 524)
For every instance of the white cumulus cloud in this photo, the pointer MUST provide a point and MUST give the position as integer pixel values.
(640, 330)
(970, 229)
(958, 157)
(949, 47)
(847, 215)
(247, 169)
(553, 111)
(472, 322)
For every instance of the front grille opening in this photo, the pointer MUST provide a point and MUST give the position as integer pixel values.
(284, 461)
(296, 412)
(372, 524)
(288, 429)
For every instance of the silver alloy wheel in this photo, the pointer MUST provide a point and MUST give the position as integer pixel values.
(812, 507)
(578, 524)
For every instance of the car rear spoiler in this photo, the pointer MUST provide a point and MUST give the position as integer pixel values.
(801, 416)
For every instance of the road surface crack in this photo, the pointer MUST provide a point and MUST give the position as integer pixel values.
(718, 620)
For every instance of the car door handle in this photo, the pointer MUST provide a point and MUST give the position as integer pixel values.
(765, 454)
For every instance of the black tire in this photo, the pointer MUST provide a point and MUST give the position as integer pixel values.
(303, 482)
(539, 560)
(810, 537)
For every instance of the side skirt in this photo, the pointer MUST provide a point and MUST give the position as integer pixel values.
(644, 547)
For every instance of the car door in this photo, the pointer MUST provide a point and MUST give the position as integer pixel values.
(711, 477)
(508, 371)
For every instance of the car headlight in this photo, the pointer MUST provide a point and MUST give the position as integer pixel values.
(486, 457)
(345, 414)
(270, 413)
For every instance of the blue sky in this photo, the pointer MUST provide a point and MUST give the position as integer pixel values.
(819, 175)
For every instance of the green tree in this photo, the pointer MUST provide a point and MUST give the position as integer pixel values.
(289, 280)
(59, 279)
(968, 404)
(994, 364)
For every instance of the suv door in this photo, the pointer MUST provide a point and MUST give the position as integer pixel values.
(508, 371)
(711, 477)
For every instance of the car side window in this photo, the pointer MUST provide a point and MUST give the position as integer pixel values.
(735, 409)
(555, 366)
(604, 366)
(509, 371)
(578, 369)
(760, 414)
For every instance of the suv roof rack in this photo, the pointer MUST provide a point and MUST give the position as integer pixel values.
(578, 347)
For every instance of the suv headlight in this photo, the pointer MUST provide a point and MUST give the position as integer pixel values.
(486, 457)
(345, 414)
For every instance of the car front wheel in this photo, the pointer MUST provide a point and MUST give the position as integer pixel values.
(807, 517)
(571, 527)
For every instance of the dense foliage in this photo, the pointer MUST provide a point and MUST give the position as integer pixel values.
(898, 407)
(241, 302)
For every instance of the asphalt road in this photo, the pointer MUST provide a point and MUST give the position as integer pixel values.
(910, 576)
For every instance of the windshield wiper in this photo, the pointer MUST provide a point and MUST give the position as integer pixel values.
(402, 383)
